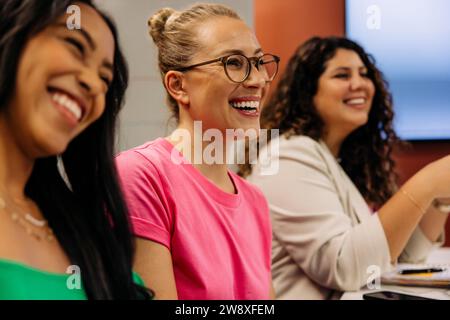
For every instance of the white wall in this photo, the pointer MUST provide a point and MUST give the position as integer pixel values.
(145, 113)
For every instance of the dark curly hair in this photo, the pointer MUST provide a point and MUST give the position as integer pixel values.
(366, 154)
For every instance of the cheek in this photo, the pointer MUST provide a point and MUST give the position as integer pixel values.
(318, 104)
(371, 89)
(337, 91)
(329, 93)
(99, 109)
(218, 95)
(40, 62)
(29, 77)
(53, 54)
(30, 92)
(265, 90)
(325, 105)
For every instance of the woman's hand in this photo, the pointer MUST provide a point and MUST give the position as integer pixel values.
(441, 203)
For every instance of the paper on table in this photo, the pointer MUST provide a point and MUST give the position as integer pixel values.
(435, 279)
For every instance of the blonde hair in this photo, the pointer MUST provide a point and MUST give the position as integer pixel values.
(173, 32)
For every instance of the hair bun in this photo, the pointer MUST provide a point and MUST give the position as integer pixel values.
(157, 23)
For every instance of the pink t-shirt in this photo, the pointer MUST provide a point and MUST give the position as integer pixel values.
(220, 242)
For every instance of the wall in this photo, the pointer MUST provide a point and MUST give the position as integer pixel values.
(282, 25)
(410, 160)
(145, 114)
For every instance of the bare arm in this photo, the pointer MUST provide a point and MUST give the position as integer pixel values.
(433, 222)
(153, 262)
(406, 209)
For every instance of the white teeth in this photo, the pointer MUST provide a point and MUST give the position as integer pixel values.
(254, 105)
(68, 103)
(356, 101)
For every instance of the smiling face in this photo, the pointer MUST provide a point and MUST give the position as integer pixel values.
(212, 97)
(61, 84)
(344, 95)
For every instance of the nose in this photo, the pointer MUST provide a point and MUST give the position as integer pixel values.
(90, 82)
(257, 78)
(357, 82)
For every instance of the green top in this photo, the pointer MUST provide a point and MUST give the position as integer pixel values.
(21, 282)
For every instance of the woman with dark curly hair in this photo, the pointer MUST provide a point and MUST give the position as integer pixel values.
(334, 114)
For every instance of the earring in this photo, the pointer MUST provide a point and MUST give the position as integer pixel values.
(62, 171)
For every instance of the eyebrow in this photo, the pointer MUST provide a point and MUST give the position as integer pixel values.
(84, 33)
(348, 68)
(91, 43)
(108, 66)
(237, 51)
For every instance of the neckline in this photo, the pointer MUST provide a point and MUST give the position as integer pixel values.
(26, 267)
(224, 198)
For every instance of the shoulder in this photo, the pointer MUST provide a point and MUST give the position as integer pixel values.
(142, 161)
(304, 150)
(298, 145)
(148, 152)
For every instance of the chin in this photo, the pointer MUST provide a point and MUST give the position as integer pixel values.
(249, 125)
(359, 121)
(51, 148)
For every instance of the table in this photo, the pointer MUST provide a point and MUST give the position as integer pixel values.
(440, 255)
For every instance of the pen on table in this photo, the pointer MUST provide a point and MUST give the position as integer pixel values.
(426, 270)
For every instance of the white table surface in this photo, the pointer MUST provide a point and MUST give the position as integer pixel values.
(441, 255)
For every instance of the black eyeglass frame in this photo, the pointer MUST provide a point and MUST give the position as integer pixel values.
(223, 60)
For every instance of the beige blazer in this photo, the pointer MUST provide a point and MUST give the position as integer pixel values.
(325, 237)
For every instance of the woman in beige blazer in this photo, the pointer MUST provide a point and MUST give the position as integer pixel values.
(334, 206)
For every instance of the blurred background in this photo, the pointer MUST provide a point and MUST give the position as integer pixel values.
(410, 40)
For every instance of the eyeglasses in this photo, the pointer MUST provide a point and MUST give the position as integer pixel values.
(238, 67)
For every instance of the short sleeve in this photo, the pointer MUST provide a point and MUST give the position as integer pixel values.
(147, 201)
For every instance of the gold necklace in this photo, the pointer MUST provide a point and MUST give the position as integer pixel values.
(27, 220)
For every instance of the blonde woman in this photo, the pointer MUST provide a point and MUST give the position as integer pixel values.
(203, 232)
